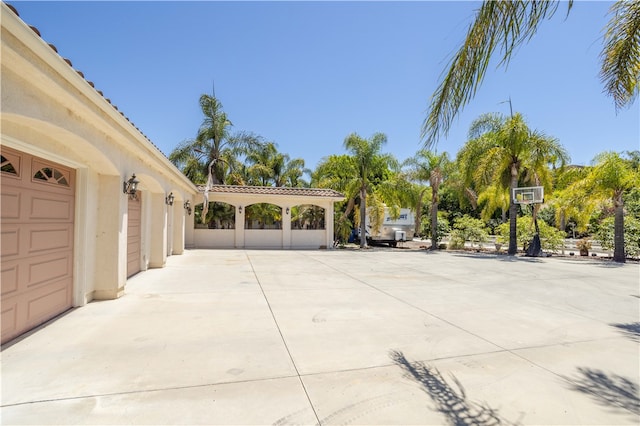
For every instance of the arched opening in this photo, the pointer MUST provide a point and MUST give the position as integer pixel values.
(263, 216)
(219, 216)
(307, 217)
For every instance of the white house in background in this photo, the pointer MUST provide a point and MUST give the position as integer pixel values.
(69, 232)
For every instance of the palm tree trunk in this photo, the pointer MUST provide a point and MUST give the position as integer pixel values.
(350, 204)
(513, 213)
(417, 221)
(363, 218)
(434, 218)
(618, 229)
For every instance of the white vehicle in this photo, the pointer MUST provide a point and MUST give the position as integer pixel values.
(392, 230)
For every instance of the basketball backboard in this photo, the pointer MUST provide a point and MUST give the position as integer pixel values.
(528, 195)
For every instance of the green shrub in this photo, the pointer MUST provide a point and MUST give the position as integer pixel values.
(467, 228)
(604, 235)
(550, 238)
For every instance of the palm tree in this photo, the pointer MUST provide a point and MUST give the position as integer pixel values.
(610, 177)
(508, 25)
(268, 166)
(214, 149)
(504, 151)
(366, 156)
(428, 166)
(336, 172)
(571, 198)
(494, 197)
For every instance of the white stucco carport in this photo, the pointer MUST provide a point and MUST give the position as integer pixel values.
(284, 236)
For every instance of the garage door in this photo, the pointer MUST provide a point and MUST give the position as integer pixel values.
(134, 235)
(37, 241)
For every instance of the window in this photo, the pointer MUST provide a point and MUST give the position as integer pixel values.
(51, 175)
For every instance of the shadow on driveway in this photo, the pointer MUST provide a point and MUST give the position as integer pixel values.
(608, 390)
(453, 403)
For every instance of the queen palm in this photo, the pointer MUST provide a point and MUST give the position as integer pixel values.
(509, 24)
(428, 166)
(610, 177)
(214, 148)
(366, 157)
(503, 150)
(364, 172)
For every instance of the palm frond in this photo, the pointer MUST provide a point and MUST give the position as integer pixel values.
(620, 55)
(498, 24)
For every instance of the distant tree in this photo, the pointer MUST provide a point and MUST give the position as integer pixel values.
(610, 177)
(267, 166)
(366, 154)
(509, 24)
(428, 166)
(336, 172)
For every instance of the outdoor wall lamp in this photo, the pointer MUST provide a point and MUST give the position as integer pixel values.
(240, 209)
(287, 210)
(169, 199)
(130, 186)
(187, 207)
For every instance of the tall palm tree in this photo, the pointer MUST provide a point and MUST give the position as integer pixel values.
(503, 150)
(366, 156)
(509, 24)
(610, 177)
(214, 148)
(428, 166)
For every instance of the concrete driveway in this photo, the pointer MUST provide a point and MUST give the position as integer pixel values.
(341, 337)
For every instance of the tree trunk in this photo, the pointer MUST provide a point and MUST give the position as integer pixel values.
(350, 204)
(513, 213)
(417, 222)
(434, 219)
(363, 218)
(618, 229)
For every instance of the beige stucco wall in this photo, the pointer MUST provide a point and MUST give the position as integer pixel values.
(285, 238)
(49, 110)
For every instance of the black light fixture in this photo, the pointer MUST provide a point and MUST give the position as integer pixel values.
(187, 207)
(130, 186)
(169, 199)
(287, 210)
(239, 209)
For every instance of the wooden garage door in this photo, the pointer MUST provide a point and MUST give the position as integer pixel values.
(37, 241)
(134, 235)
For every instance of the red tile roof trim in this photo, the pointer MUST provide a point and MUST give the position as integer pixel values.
(81, 74)
(272, 190)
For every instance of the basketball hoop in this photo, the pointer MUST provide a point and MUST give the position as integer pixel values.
(528, 195)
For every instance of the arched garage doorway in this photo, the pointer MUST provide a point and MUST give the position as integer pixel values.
(38, 199)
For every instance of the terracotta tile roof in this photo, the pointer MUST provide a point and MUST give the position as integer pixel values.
(90, 83)
(273, 190)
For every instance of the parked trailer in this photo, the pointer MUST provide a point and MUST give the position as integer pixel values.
(392, 230)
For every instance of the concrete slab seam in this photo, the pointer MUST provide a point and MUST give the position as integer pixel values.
(284, 342)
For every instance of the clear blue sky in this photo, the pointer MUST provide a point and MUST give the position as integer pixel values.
(306, 74)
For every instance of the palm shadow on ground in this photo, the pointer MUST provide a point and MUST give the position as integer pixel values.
(612, 391)
(631, 330)
(452, 403)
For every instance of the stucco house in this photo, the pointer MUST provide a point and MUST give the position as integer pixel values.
(73, 228)
(87, 200)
